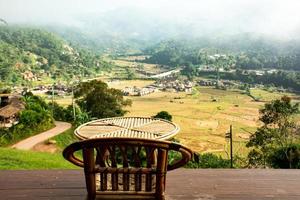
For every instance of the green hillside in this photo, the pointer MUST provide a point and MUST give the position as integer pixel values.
(34, 54)
(246, 51)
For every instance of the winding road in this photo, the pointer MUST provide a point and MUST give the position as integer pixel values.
(28, 143)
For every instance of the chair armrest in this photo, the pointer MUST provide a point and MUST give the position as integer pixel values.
(186, 156)
(68, 154)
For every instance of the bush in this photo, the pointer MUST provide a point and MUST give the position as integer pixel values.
(66, 114)
(22, 131)
(163, 115)
(59, 112)
(206, 160)
(278, 158)
(30, 117)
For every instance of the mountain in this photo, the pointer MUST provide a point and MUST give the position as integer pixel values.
(247, 50)
(30, 53)
(121, 31)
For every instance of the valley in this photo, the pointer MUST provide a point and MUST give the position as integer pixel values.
(202, 120)
(205, 87)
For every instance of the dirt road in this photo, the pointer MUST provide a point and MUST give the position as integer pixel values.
(31, 141)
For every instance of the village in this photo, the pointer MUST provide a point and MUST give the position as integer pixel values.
(170, 81)
(166, 84)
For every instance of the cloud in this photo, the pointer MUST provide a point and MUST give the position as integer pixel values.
(266, 16)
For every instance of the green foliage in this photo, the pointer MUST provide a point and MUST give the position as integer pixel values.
(250, 53)
(285, 79)
(42, 52)
(209, 160)
(190, 71)
(243, 51)
(205, 160)
(5, 90)
(256, 158)
(67, 114)
(35, 118)
(59, 112)
(278, 133)
(130, 74)
(173, 53)
(66, 138)
(278, 158)
(100, 101)
(81, 117)
(163, 115)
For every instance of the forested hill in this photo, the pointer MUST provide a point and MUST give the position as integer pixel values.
(247, 51)
(108, 43)
(27, 53)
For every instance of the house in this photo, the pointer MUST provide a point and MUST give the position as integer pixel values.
(29, 76)
(128, 91)
(165, 74)
(135, 91)
(145, 91)
(12, 106)
(207, 83)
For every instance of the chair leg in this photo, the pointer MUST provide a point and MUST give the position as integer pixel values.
(91, 186)
(91, 196)
(160, 197)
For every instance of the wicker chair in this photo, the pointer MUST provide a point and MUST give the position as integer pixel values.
(126, 168)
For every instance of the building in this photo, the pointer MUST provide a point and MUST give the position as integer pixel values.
(135, 91)
(11, 106)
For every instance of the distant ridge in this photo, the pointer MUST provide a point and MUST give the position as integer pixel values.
(3, 21)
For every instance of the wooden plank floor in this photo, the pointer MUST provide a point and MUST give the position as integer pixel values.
(203, 184)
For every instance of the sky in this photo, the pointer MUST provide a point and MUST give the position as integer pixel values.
(277, 17)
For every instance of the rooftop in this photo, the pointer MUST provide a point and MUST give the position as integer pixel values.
(182, 184)
(9, 111)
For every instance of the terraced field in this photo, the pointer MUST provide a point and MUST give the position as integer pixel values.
(203, 121)
(203, 116)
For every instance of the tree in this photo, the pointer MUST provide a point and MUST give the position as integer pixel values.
(279, 131)
(100, 101)
(190, 71)
(130, 74)
(163, 115)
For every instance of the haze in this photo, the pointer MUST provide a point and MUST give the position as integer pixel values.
(271, 17)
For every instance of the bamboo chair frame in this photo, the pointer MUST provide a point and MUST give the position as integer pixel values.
(118, 159)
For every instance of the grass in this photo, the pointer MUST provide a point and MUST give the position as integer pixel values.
(265, 95)
(13, 159)
(16, 159)
(129, 62)
(20, 132)
(65, 138)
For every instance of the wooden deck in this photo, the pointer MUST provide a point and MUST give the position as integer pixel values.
(203, 184)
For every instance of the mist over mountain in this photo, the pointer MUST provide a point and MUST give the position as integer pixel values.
(110, 25)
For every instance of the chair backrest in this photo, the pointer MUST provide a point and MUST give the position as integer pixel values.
(128, 166)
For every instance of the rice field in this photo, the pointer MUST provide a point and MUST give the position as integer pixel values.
(203, 116)
(203, 122)
(264, 95)
(135, 63)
